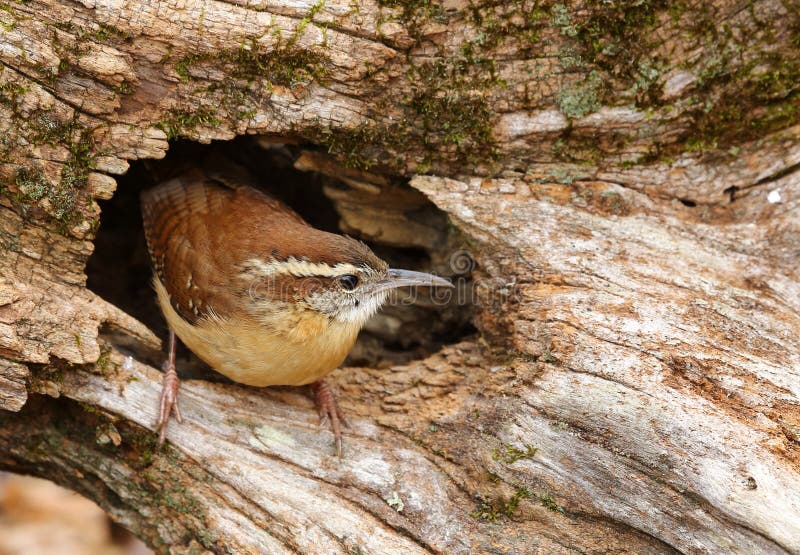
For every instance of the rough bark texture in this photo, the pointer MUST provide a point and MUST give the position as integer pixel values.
(626, 176)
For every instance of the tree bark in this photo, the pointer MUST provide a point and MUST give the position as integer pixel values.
(626, 176)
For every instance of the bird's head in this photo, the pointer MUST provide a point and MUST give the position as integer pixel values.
(337, 276)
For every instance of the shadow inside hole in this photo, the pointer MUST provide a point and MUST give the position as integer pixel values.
(119, 270)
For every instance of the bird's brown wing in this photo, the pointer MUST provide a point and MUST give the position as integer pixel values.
(200, 231)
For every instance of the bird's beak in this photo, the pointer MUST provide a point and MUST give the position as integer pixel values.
(405, 278)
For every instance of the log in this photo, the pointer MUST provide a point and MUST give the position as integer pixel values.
(625, 177)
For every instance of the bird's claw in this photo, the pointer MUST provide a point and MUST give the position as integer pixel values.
(169, 401)
(329, 412)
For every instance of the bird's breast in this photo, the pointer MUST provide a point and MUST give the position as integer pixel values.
(246, 351)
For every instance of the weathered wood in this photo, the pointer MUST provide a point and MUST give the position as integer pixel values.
(13, 390)
(626, 176)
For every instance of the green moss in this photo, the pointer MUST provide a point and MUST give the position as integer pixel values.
(577, 149)
(285, 64)
(613, 36)
(106, 32)
(513, 503)
(448, 108)
(100, 32)
(443, 454)
(614, 30)
(510, 454)
(124, 88)
(64, 198)
(492, 511)
(446, 112)
(182, 66)
(143, 444)
(44, 128)
(89, 409)
(736, 97)
(359, 147)
(104, 362)
(301, 27)
(76, 171)
(497, 24)
(9, 93)
(246, 114)
(548, 357)
(415, 14)
(10, 242)
(748, 103)
(236, 100)
(453, 118)
(549, 502)
(487, 511)
(181, 123)
(176, 497)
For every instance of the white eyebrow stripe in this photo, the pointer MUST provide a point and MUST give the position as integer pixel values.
(298, 268)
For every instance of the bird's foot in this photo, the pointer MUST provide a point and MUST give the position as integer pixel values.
(328, 409)
(169, 400)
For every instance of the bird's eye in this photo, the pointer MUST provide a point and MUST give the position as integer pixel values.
(348, 282)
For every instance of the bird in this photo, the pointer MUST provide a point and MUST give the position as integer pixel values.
(255, 291)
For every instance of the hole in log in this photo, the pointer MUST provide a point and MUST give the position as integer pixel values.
(396, 221)
(731, 192)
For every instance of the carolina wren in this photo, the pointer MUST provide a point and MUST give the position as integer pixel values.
(256, 292)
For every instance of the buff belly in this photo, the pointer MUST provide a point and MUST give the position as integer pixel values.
(246, 352)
